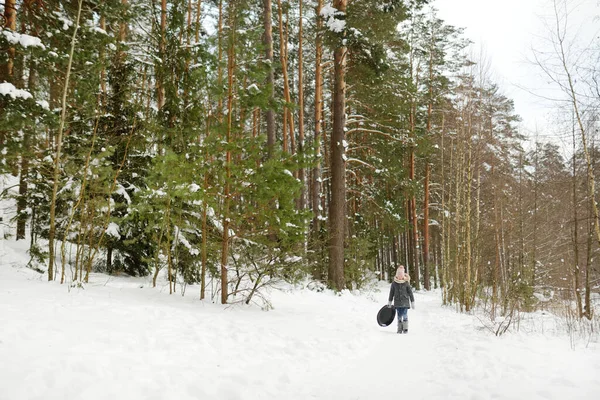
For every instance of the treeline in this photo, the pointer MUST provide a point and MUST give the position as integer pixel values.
(246, 141)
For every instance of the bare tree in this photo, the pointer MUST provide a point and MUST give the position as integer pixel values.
(561, 70)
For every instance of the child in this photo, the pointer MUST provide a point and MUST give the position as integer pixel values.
(401, 293)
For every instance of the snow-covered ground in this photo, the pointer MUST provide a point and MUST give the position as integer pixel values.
(119, 338)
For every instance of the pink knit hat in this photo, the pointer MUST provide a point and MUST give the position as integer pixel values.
(400, 273)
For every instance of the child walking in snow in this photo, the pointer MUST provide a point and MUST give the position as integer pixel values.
(402, 295)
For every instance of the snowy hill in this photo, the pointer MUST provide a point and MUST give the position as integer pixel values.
(121, 339)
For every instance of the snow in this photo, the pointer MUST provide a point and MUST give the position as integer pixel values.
(99, 30)
(66, 22)
(336, 25)
(44, 104)
(123, 192)
(328, 11)
(22, 39)
(253, 88)
(8, 89)
(529, 169)
(332, 23)
(113, 230)
(117, 337)
(183, 240)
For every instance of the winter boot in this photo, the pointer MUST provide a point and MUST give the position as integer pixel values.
(405, 323)
(400, 327)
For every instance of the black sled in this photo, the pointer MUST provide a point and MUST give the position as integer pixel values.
(386, 315)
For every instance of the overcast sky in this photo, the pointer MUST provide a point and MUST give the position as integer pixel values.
(508, 30)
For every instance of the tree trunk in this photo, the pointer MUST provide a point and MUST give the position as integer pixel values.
(102, 56)
(287, 113)
(268, 42)
(302, 198)
(587, 305)
(123, 29)
(10, 22)
(25, 154)
(6, 69)
(204, 222)
(576, 271)
(316, 172)
(160, 84)
(426, 277)
(496, 271)
(22, 199)
(468, 284)
(535, 216)
(109, 257)
(227, 194)
(443, 239)
(337, 207)
(414, 240)
(57, 154)
(198, 14)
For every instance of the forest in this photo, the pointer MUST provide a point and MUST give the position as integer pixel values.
(233, 144)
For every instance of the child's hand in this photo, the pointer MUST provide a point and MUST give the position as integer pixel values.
(389, 304)
(412, 305)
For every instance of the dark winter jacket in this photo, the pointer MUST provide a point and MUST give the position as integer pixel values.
(401, 293)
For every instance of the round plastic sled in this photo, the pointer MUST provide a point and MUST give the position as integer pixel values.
(386, 315)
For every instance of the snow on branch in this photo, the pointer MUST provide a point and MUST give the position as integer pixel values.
(334, 19)
(378, 132)
(22, 39)
(356, 160)
(8, 89)
(113, 230)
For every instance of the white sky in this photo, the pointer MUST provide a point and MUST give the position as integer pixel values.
(507, 30)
